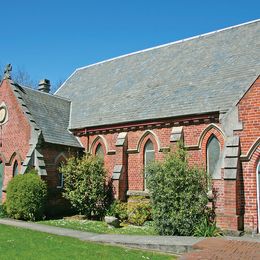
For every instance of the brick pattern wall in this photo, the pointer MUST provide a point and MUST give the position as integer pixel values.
(249, 191)
(249, 115)
(196, 137)
(15, 134)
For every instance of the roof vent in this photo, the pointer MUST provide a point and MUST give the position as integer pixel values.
(44, 86)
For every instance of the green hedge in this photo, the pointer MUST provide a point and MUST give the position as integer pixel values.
(26, 197)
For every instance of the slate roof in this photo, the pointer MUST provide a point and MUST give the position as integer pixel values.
(202, 74)
(51, 115)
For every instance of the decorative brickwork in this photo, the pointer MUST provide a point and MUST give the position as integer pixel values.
(15, 134)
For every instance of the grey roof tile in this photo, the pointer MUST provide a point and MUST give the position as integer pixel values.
(199, 75)
(51, 114)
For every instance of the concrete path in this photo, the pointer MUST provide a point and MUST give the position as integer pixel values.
(191, 248)
(171, 244)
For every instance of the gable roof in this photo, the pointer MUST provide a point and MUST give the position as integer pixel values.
(202, 74)
(50, 113)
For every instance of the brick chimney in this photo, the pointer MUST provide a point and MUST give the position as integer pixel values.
(44, 85)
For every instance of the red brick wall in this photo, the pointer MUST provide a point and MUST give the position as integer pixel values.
(16, 133)
(196, 137)
(249, 115)
(250, 191)
(53, 156)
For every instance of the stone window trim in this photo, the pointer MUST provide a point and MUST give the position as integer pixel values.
(3, 113)
(207, 135)
(100, 139)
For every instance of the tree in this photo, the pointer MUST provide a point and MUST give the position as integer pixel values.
(85, 185)
(178, 194)
(20, 76)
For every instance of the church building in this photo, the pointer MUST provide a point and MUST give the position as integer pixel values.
(204, 91)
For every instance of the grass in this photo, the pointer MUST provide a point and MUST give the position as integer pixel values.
(100, 227)
(18, 243)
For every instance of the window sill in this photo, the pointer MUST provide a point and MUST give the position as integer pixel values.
(144, 193)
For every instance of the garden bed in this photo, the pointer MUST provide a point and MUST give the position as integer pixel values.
(101, 227)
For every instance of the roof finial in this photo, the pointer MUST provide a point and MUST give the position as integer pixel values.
(7, 71)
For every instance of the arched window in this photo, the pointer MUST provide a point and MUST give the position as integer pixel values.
(15, 169)
(60, 178)
(213, 154)
(258, 194)
(99, 151)
(1, 178)
(148, 157)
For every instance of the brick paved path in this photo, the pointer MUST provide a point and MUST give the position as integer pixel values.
(220, 248)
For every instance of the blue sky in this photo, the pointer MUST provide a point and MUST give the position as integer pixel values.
(50, 39)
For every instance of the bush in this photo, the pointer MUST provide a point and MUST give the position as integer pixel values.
(118, 209)
(178, 194)
(26, 197)
(207, 229)
(3, 213)
(139, 211)
(85, 185)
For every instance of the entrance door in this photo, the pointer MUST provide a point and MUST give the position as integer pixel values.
(258, 194)
(1, 179)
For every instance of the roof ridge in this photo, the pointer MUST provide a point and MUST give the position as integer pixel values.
(157, 47)
(44, 93)
(170, 43)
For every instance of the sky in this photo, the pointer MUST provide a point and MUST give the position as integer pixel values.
(51, 38)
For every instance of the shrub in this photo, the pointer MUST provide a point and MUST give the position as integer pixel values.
(26, 197)
(178, 194)
(118, 209)
(85, 185)
(139, 211)
(3, 210)
(207, 229)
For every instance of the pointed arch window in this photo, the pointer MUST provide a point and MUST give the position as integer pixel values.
(60, 177)
(15, 169)
(213, 154)
(99, 151)
(149, 155)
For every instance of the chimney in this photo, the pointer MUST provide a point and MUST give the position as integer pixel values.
(44, 85)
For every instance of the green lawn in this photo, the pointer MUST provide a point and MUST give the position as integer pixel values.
(100, 227)
(17, 243)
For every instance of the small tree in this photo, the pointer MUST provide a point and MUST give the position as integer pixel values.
(178, 194)
(85, 185)
(26, 197)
